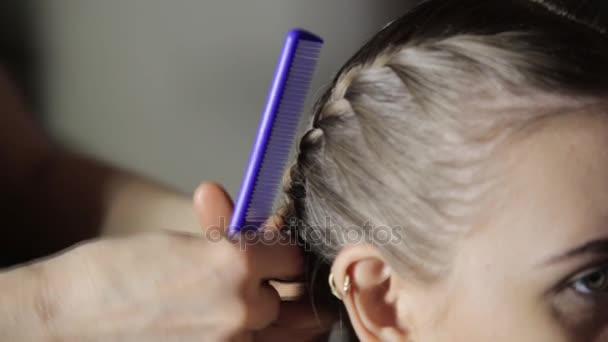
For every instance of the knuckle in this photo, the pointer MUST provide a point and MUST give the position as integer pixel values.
(293, 259)
(274, 306)
(238, 316)
(232, 265)
(241, 260)
(267, 309)
(296, 256)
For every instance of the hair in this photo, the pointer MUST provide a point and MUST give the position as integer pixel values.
(403, 140)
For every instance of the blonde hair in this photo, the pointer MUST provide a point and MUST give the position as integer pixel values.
(405, 137)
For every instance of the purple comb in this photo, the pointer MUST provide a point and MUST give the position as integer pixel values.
(276, 132)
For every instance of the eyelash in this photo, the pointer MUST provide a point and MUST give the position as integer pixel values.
(578, 283)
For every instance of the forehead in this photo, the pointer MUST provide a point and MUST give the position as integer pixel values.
(554, 179)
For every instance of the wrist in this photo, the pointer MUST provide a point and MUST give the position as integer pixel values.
(25, 311)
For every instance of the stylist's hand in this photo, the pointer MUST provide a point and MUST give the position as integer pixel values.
(164, 287)
(291, 320)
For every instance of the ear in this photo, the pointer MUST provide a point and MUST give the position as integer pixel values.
(372, 298)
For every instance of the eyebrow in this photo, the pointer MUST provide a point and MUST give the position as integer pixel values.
(591, 247)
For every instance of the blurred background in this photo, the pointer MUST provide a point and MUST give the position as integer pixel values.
(170, 89)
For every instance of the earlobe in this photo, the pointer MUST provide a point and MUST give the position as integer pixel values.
(365, 282)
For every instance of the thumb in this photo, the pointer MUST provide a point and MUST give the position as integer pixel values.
(213, 206)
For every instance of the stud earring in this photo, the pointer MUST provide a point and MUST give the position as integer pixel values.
(345, 288)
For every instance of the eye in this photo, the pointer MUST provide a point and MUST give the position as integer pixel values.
(592, 282)
(581, 303)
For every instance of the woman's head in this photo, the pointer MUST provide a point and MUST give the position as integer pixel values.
(451, 163)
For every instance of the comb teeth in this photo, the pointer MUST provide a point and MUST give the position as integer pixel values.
(291, 105)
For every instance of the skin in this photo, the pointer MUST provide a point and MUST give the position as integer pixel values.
(159, 287)
(90, 252)
(515, 277)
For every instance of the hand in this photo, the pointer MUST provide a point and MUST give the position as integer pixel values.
(297, 320)
(155, 287)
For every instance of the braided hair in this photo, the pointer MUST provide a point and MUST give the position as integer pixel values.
(403, 141)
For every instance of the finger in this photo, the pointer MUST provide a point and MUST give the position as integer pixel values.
(302, 315)
(298, 321)
(263, 307)
(289, 291)
(272, 253)
(274, 261)
(213, 206)
(245, 337)
(273, 334)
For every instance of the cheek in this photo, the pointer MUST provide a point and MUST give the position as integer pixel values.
(480, 315)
